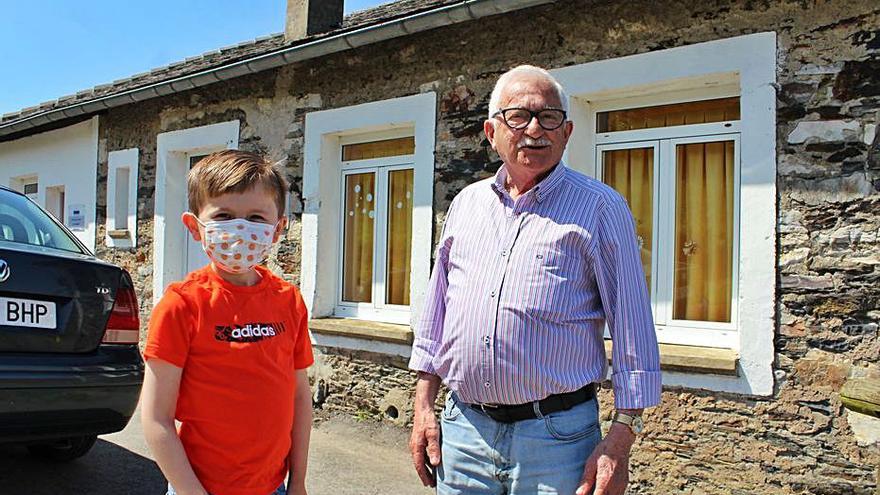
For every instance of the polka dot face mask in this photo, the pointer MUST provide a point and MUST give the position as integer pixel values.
(237, 245)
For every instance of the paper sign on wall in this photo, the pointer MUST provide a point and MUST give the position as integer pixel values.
(76, 218)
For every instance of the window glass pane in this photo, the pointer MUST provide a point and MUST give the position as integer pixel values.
(194, 159)
(695, 112)
(120, 216)
(400, 206)
(703, 231)
(379, 149)
(631, 173)
(357, 263)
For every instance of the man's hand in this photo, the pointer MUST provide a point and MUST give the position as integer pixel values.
(607, 469)
(424, 443)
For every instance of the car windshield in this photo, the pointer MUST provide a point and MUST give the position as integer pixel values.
(23, 222)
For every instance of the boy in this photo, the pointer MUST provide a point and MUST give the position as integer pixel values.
(227, 347)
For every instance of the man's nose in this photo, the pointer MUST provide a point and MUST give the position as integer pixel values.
(534, 128)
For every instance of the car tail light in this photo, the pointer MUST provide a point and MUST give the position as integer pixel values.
(124, 324)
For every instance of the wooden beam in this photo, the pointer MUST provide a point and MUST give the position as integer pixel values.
(862, 395)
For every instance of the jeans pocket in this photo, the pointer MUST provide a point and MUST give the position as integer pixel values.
(570, 427)
(451, 409)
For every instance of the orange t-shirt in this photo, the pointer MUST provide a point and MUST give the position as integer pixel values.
(238, 347)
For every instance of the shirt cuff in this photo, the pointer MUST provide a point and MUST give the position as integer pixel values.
(422, 356)
(636, 389)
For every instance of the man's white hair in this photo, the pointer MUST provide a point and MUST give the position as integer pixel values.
(521, 70)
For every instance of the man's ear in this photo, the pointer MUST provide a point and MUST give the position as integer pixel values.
(489, 129)
(192, 225)
(567, 128)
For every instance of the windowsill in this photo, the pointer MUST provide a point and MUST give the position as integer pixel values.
(118, 234)
(690, 359)
(363, 329)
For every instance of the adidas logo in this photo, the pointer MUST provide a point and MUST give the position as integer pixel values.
(251, 332)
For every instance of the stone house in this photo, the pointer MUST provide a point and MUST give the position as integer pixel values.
(743, 134)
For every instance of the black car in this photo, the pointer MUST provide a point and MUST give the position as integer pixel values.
(70, 368)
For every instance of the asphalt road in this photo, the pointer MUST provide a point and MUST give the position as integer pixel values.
(346, 458)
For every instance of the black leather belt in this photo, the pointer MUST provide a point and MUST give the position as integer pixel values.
(504, 413)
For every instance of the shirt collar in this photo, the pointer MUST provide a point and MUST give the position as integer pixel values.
(541, 190)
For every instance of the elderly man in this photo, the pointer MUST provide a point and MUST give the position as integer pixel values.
(531, 267)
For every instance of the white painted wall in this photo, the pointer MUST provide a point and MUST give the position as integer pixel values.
(64, 157)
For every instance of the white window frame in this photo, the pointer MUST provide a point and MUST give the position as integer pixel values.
(127, 158)
(326, 131)
(379, 309)
(172, 164)
(743, 66)
(670, 330)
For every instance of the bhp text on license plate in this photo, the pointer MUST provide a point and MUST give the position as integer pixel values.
(27, 313)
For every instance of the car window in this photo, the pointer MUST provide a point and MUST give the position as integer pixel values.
(23, 222)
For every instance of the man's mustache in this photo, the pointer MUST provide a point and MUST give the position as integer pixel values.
(527, 141)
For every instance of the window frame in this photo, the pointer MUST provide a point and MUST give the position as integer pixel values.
(378, 309)
(326, 131)
(744, 66)
(670, 330)
(172, 163)
(119, 159)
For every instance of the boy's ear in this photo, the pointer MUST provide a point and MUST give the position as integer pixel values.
(192, 225)
(280, 229)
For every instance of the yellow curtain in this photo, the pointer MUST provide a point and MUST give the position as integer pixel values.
(704, 231)
(379, 149)
(631, 173)
(694, 112)
(400, 206)
(360, 206)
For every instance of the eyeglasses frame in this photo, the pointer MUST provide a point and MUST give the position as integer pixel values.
(533, 115)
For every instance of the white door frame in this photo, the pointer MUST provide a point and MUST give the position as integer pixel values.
(173, 149)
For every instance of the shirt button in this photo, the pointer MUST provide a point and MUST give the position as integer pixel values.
(486, 340)
(492, 294)
(504, 253)
(487, 384)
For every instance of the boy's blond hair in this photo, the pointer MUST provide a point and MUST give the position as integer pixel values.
(233, 171)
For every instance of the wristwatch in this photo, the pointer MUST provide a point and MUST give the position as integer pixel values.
(634, 423)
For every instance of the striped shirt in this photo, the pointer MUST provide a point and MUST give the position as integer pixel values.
(521, 292)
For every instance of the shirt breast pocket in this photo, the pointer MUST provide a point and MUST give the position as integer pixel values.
(550, 282)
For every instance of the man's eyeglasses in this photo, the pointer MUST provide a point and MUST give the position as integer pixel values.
(520, 118)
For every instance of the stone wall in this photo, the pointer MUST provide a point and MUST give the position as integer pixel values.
(801, 440)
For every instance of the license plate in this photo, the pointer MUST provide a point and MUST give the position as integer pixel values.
(27, 313)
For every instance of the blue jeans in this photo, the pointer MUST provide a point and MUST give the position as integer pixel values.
(281, 490)
(546, 455)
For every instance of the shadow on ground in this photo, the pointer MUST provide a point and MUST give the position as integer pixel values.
(107, 469)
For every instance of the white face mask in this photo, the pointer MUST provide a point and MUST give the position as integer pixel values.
(237, 245)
